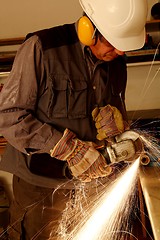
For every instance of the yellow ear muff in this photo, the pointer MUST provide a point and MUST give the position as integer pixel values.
(86, 31)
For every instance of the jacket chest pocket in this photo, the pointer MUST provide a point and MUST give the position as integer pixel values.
(68, 98)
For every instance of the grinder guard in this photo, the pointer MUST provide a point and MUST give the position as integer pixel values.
(126, 147)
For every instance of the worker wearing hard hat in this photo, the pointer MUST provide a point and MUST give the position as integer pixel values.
(64, 97)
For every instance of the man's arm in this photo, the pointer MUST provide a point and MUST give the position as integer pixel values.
(18, 122)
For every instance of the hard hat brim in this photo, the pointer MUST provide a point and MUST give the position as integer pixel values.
(127, 44)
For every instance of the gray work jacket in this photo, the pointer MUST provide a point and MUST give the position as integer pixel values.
(49, 89)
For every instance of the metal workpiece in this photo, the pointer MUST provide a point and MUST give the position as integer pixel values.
(150, 182)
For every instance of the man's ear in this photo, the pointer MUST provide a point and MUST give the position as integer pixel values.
(86, 31)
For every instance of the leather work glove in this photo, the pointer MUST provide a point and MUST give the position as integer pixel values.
(84, 161)
(108, 121)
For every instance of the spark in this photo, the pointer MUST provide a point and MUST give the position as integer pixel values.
(147, 85)
(148, 81)
(151, 144)
(110, 207)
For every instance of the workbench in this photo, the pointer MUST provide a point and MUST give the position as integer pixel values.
(150, 183)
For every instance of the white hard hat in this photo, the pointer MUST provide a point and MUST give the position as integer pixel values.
(121, 22)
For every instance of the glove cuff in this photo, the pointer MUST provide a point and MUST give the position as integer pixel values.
(65, 146)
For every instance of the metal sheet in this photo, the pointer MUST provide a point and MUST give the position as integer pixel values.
(150, 182)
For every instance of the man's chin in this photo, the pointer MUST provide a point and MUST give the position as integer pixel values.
(109, 58)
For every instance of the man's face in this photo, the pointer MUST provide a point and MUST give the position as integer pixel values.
(103, 50)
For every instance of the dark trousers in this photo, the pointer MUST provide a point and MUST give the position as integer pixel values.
(35, 212)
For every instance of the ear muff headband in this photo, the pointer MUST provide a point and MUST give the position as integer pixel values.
(86, 31)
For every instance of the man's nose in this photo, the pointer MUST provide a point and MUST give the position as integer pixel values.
(119, 52)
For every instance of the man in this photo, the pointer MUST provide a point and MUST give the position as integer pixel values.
(64, 98)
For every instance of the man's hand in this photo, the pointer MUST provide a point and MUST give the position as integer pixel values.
(84, 161)
(108, 121)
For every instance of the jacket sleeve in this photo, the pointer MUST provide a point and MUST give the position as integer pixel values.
(18, 98)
